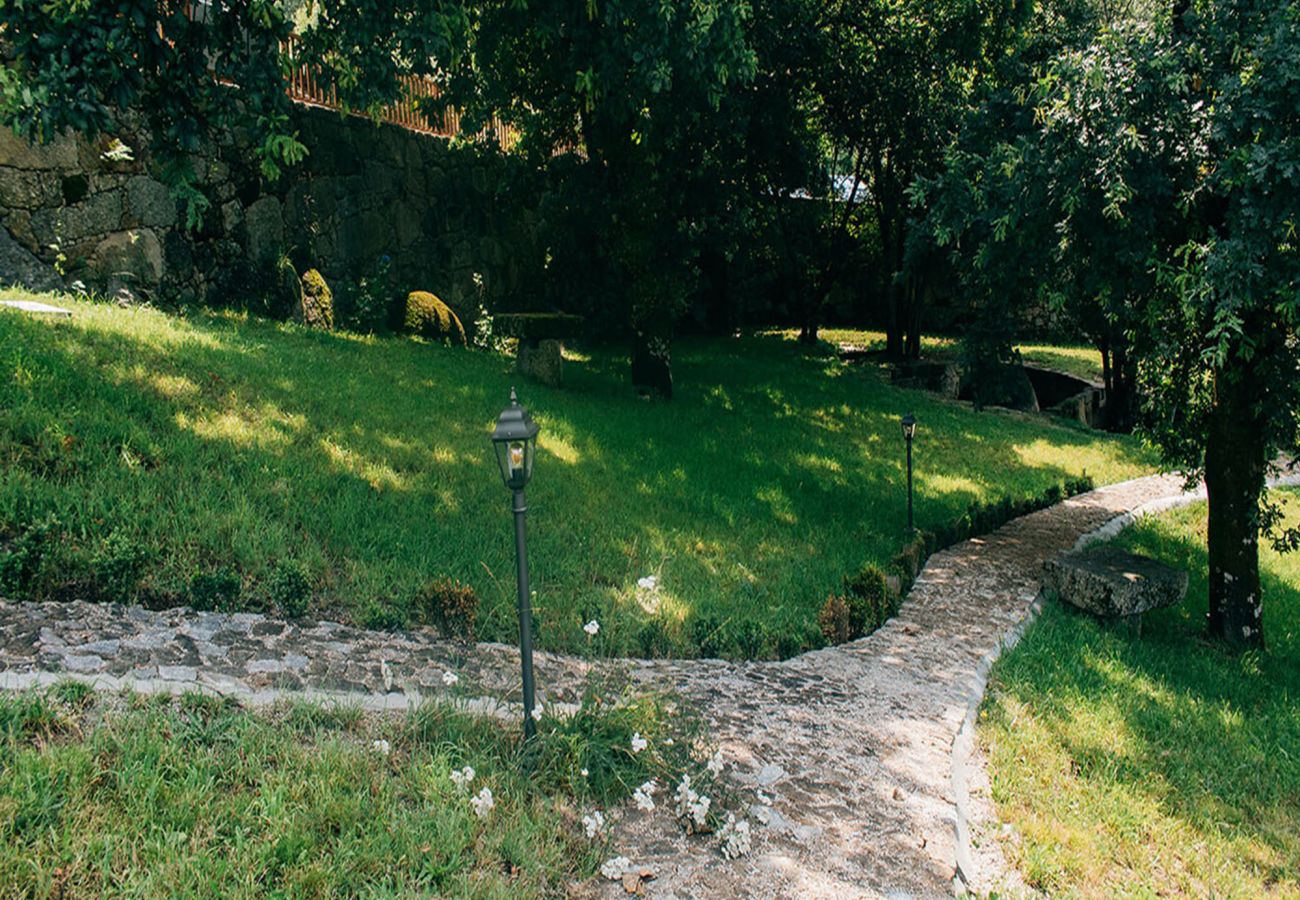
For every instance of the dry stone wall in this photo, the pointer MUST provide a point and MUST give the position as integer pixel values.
(442, 214)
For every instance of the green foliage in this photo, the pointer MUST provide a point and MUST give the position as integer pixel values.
(287, 292)
(116, 566)
(288, 589)
(428, 316)
(450, 605)
(216, 590)
(22, 553)
(366, 303)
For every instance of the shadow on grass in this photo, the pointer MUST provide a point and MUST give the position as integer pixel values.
(216, 441)
(1169, 739)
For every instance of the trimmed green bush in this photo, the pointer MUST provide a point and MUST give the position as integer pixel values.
(429, 317)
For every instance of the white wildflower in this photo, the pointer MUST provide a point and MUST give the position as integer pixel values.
(614, 869)
(537, 713)
(592, 628)
(584, 773)
(735, 837)
(462, 777)
(714, 764)
(482, 803)
(649, 583)
(692, 806)
(450, 678)
(644, 795)
(593, 824)
(382, 746)
(639, 743)
(668, 742)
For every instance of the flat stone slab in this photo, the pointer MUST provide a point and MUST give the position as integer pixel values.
(32, 306)
(1113, 583)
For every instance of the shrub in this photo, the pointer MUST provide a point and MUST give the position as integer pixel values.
(709, 636)
(653, 640)
(833, 620)
(288, 589)
(429, 317)
(752, 638)
(383, 615)
(316, 309)
(116, 566)
(870, 603)
(450, 605)
(366, 303)
(21, 556)
(217, 590)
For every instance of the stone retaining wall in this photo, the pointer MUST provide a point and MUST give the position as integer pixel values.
(442, 214)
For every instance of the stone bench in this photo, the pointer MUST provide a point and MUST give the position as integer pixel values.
(1114, 584)
(541, 339)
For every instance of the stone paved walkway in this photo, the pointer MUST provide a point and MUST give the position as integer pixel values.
(852, 747)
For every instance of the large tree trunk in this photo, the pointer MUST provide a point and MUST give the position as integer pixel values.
(1234, 480)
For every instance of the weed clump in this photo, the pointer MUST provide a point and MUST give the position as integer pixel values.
(451, 606)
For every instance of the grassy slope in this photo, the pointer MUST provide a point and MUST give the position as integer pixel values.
(1081, 361)
(103, 796)
(212, 441)
(1160, 765)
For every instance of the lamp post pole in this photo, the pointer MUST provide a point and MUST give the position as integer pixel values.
(909, 483)
(515, 441)
(909, 431)
(520, 509)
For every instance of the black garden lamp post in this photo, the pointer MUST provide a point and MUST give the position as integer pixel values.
(515, 439)
(909, 431)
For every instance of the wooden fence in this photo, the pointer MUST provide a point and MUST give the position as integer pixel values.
(306, 86)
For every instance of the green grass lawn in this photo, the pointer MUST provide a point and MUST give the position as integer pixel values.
(165, 458)
(139, 796)
(1080, 360)
(1160, 765)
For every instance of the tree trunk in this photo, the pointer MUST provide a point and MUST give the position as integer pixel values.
(1234, 480)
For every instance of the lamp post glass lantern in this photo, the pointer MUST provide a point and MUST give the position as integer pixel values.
(909, 432)
(515, 439)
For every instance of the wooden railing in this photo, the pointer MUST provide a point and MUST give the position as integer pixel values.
(306, 86)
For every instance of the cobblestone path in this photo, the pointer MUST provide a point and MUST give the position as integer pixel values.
(847, 754)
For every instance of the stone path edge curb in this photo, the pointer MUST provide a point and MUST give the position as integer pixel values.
(964, 744)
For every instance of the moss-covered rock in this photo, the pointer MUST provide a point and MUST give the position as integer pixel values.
(287, 297)
(429, 317)
(316, 309)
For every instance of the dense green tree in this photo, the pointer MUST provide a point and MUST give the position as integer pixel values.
(1157, 193)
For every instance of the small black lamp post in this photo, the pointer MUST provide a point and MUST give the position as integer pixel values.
(514, 439)
(909, 431)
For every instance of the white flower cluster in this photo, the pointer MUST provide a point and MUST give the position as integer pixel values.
(714, 764)
(735, 837)
(638, 743)
(614, 869)
(482, 803)
(462, 777)
(692, 806)
(644, 795)
(592, 628)
(649, 583)
(593, 824)
(449, 678)
(381, 746)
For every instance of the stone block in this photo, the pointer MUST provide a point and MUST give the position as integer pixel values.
(543, 361)
(135, 256)
(99, 214)
(150, 202)
(15, 151)
(18, 266)
(264, 220)
(27, 190)
(1112, 583)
